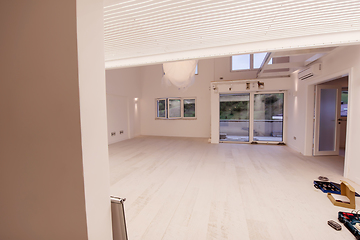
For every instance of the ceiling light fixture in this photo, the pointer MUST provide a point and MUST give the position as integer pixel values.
(180, 74)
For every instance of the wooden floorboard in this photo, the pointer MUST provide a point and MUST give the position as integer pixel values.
(187, 188)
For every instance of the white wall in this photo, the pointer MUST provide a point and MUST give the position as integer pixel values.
(145, 83)
(297, 109)
(122, 87)
(117, 118)
(152, 88)
(91, 70)
(296, 115)
(49, 124)
(344, 60)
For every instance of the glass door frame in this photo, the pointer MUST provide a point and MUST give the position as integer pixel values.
(251, 118)
(283, 122)
(249, 132)
(316, 151)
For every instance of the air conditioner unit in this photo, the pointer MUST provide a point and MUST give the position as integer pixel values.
(309, 72)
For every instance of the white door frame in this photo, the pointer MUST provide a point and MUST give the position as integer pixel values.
(316, 151)
(251, 118)
(310, 108)
(284, 130)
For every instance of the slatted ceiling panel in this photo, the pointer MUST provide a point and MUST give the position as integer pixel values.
(138, 32)
(171, 29)
(137, 28)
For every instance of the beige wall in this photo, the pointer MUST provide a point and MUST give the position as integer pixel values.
(44, 136)
(41, 172)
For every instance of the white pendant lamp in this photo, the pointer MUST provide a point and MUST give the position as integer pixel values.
(180, 74)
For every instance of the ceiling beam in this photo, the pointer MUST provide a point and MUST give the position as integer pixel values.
(275, 74)
(297, 43)
(284, 65)
(265, 63)
(314, 58)
(303, 51)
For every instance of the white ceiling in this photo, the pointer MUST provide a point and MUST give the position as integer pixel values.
(139, 32)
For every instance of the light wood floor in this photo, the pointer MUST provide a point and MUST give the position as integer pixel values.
(186, 188)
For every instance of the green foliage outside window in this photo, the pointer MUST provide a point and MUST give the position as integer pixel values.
(234, 110)
(344, 97)
(161, 108)
(189, 107)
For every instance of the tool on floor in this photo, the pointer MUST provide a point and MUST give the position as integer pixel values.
(334, 225)
(329, 187)
(322, 178)
(351, 221)
(348, 192)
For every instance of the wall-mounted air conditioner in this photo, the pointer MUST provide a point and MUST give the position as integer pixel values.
(310, 71)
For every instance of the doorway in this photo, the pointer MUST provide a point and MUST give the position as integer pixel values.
(235, 117)
(330, 117)
(252, 117)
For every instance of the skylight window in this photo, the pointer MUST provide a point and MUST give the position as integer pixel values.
(258, 59)
(247, 61)
(241, 62)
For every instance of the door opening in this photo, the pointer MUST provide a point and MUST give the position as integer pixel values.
(252, 117)
(330, 117)
(235, 117)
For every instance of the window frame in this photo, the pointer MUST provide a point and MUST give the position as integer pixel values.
(242, 70)
(251, 63)
(344, 89)
(168, 107)
(183, 109)
(167, 113)
(157, 108)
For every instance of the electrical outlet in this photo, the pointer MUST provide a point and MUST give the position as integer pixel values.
(113, 134)
(121, 132)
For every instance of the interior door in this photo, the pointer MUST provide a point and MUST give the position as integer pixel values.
(327, 120)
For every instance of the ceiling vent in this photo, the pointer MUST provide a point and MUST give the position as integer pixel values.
(309, 72)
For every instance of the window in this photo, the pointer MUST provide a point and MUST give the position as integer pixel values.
(196, 70)
(241, 62)
(247, 61)
(189, 108)
(176, 108)
(258, 59)
(161, 108)
(344, 102)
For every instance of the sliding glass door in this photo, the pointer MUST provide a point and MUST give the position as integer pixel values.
(234, 117)
(251, 117)
(268, 117)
